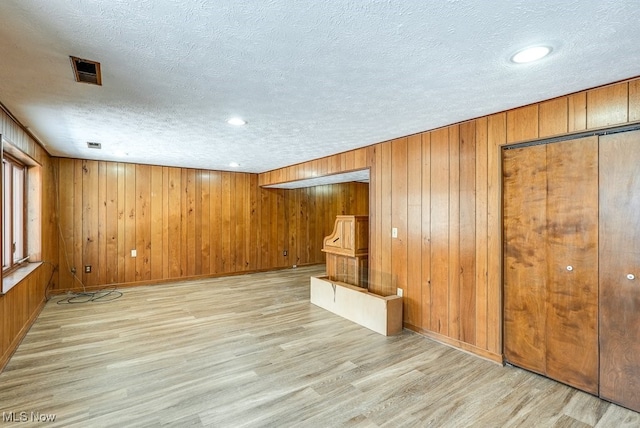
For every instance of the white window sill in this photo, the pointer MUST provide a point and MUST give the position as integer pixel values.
(18, 275)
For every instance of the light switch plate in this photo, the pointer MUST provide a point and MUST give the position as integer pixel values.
(134, 253)
(394, 232)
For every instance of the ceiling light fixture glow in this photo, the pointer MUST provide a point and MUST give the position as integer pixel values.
(236, 121)
(234, 164)
(531, 54)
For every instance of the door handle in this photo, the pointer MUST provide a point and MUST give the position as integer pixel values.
(631, 276)
(569, 268)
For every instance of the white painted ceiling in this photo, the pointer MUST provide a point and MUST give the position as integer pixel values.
(312, 78)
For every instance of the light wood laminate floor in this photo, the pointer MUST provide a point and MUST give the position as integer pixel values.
(252, 351)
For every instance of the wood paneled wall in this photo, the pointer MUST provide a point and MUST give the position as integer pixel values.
(186, 223)
(22, 304)
(442, 190)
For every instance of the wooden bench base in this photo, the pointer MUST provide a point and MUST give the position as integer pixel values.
(378, 313)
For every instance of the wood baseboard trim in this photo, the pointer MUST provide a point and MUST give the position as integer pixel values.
(458, 344)
(167, 280)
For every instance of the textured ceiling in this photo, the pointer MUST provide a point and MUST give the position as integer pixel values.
(311, 78)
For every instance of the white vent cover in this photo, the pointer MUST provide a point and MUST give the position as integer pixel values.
(93, 145)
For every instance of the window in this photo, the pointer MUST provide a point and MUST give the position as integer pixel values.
(21, 214)
(14, 179)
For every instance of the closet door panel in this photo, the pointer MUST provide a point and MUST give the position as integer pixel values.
(572, 260)
(619, 257)
(524, 217)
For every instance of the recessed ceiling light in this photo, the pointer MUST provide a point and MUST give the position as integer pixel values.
(531, 54)
(234, 164)
(236, 121)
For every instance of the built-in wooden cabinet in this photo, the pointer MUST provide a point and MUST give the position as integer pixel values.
(571, 257)
(347, 250)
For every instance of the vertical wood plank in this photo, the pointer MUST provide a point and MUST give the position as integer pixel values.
(197, 220)
(226, 221)
(387, 276)
(281, 228)
(215, 185)
(165, 222)
(302, 241)
(496, 137)
(174, 202)
(608, 105)
(440, 194)
(399, 204)
(413, 314)
(467, 240)
(156, 212)
(522, 124)
(375, 222)
(78, 220)
(634, 100)
(122, 215)
(577, 114)
(239, 216)
(143, 222)
(90, 218)
(314, 245)
(111, 268)
(253, 236)
(360, 158)
(101, 268)
(66, 203)
(454, 232)
(553, 116)
(189, 219)
(264, 227)
(349, 160)
(426, 250)
(205, 222)
(130, 222)
(481, 233)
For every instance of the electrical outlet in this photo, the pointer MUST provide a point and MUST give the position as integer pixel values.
(394, 232)
(134, 253)
(399, 291)
(87, 269)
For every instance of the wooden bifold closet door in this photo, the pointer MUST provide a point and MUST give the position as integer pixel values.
(550, 219)
(620, 268)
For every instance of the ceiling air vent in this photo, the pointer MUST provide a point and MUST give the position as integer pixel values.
(93, 145)
(86, 71)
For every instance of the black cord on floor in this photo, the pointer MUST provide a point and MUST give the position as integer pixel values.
(103, 295)
(99, 296)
